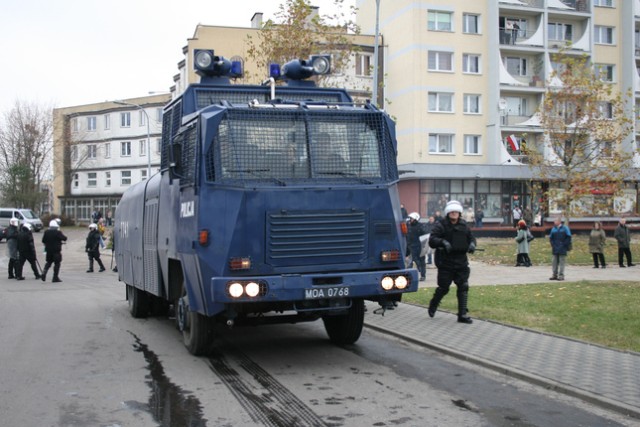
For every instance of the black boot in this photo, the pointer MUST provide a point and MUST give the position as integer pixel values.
(43, 276)
(463, 296)
(101, 265)
(435, 301)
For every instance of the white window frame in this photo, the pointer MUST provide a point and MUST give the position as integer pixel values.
(469, 99)
(76, 180)
(437, 102)
(107, 121)
(466, 17)
(603, 34)
(142, 118)
(158, 145)
(91, 123)
(159, 115)
(441, 140)
(563, 32)
(74, 153)
(92, 151)
(125, 149)
(143, 147)
(143, 174)
(75, 125)
(435, 59)
(92, 179)
(470, 142)
(608, 71)
(606, 110)
(603, 3)
(469, 59)
(107, 150)
(363, 64)
(434, 23)
(523, 65)
(125, 178)
(125, 119)
(107, 178)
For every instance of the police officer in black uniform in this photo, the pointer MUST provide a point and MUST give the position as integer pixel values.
(452, 239)
(52, 240)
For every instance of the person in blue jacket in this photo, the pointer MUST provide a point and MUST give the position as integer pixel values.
(560, 240)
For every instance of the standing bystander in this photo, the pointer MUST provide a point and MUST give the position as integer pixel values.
(560, 239)
(624, 243)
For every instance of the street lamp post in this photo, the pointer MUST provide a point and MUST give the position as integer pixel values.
(375, 55)
(148, 133)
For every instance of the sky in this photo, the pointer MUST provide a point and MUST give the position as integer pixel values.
(64, 53)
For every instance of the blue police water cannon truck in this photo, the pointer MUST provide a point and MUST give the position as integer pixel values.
(274, 204)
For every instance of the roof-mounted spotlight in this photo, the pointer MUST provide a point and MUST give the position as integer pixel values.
(207, 64)
(300, 69)
(236, 69)
(274, 71)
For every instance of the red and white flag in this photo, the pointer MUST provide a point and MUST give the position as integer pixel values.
(513, 142)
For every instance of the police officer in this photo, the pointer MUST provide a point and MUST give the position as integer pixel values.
(415, 230)
(52, 240)
(92, 248)
(27, 250)
(452, 239)
(11, 234)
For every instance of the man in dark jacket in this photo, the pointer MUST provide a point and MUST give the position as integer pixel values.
(624, 243)
(11, 234)
(92, 248)
(452, 239)
(415, 230)
(560, 239)
(27, 250)
(52, 240)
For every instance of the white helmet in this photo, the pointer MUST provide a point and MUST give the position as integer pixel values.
(92, 226)
(414, 216)
(27, 226)
(14, 221)
(59, 221)
(453, 206)
(53, 224)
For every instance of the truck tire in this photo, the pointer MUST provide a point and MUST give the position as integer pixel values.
(197, 329)
(346, 329)
(138, 302)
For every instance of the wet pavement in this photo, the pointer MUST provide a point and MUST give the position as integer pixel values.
(600, 375)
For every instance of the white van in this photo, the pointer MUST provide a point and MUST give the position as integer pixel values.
(23, 215)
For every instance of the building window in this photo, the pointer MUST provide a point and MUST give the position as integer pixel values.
(159, 115)
(440, 102)
(471, 103)
(605, 148)
(143, 147)
(92, 179)
(472, 144)
(142, 117)
(471, 63)
(143, 174)
(158, 145)
(363, 65)
(440, 61)
(125, 177)
(125, 149)
(107, 150)
(470, 24)
(559, 31)
(91, 151)
(603, 35)
(74, 153)
(91, 123)
(603, 3)
(441, 143)
(76, 181)
(516, 66)
(107, 178)
(606, 109)
(75, 125)
(125, 120)
(604, 72)
(107, 121)
(439, 21)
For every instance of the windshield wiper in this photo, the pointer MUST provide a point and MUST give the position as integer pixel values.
(345, 174)
(255, 172)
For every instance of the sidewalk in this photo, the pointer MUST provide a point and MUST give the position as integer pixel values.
(602, 376)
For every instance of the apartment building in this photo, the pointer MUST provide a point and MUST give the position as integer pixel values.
(465, 80)
(102, 149)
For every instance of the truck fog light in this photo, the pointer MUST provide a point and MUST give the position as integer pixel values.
(236, 290)
(252, 289)
(401, 282)
(387, 283)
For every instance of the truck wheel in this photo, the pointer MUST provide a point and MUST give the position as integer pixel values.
(346, 329)
(138, 302)
(197, 329)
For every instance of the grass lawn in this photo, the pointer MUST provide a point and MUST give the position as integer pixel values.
(602, 313)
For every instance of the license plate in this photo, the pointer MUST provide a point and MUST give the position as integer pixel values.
(327, 292)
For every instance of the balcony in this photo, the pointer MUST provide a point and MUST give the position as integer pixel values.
(575, 5)
(524, 3)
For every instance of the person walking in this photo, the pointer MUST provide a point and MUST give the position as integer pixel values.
(623, 237)
(415, 246)
(597, 239)
(452, 239)
(522, 239)
(560, 240)
(52, 240)
(27, 251)
(11, 234)
(92, 248)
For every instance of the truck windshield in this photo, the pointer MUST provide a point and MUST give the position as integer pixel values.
(263, 144)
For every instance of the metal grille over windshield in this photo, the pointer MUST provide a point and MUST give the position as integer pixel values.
(282, 145)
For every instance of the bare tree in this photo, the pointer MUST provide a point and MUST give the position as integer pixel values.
(25, 148)
(586, 154)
